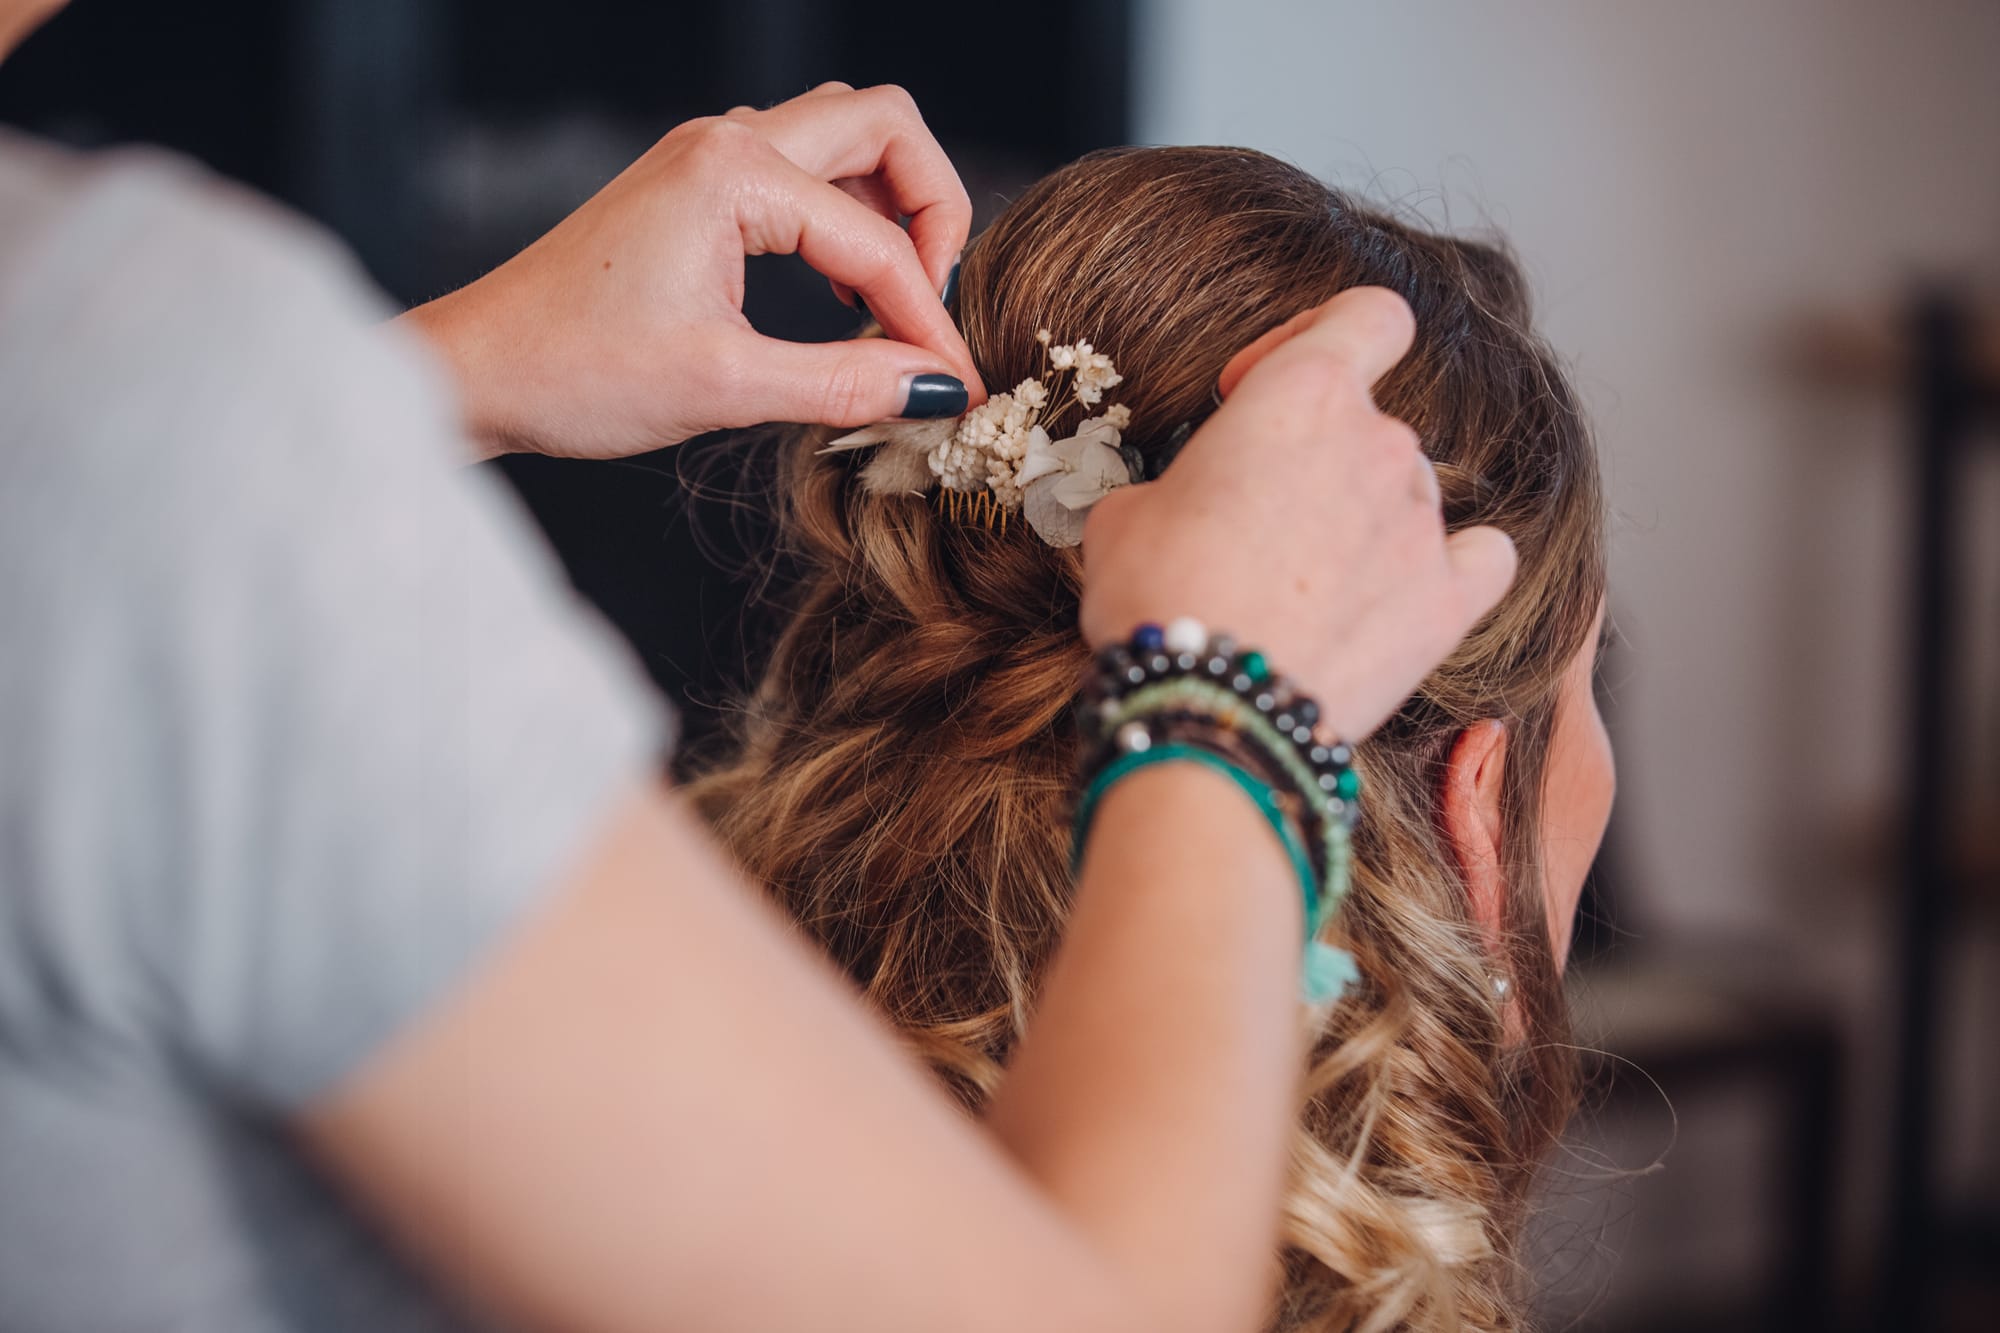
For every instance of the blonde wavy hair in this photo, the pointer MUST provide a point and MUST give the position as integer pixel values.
(902, 776)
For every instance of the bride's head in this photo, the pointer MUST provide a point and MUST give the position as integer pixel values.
(907, 763)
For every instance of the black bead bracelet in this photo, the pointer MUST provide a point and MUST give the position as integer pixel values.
(1179, 687)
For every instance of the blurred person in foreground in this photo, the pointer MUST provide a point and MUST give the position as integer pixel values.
(355, 972)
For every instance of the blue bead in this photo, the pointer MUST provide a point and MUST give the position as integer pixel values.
(1149, 638)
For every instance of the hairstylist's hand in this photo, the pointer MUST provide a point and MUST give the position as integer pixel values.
(622, 330)
(1302, 520)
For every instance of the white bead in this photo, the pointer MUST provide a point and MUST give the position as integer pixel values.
(1185, 634)
(1503, 987)
(1133, 738)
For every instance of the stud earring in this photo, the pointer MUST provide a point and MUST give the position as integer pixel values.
(1503, 987)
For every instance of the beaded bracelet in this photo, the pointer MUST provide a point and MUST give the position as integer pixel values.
(1260, 793)
(1180, 688)
(1184, 671)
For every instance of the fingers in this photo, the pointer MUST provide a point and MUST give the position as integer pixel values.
(838, 133)
(870, 192)
(849, 383)
(853, 245)
(1365, 329)
(1482, 562)
(874, 195)
(1239, 365)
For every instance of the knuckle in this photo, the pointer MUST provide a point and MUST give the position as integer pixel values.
(719, 140)
(1382, 312)
(833, 86)
(894, 98)
(844, 393)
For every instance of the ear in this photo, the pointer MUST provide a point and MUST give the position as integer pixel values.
(1472, 783)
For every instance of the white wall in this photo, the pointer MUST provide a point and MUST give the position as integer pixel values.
(1685, 181)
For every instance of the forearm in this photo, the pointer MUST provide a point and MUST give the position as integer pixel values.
(650, 1095)
(1153, 1093)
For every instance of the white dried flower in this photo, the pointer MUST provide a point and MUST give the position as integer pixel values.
(1000, 447)
(1039, 460)
(1094, 374)
(1063, 480)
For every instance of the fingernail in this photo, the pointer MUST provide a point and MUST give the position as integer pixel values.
(932, 396)
(862, 306)
(950, 286)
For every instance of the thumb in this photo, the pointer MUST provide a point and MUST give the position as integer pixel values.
(847, 383)
(1482, 564)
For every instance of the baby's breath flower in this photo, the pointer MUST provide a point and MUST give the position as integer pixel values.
(1001, 447)
(1094, 374)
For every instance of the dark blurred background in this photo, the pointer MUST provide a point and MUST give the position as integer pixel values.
(1768, 238)
(438, 137)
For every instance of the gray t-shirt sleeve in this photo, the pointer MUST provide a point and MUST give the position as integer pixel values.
(298, 718)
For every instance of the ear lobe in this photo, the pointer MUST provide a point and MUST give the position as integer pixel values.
(1471, 803)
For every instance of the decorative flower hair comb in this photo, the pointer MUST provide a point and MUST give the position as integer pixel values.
(998, 457)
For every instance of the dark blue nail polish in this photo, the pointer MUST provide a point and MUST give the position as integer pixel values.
(950, 286)
(933, 396)
(862, 306)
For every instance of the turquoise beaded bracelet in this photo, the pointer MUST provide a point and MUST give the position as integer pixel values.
(1181, 694)
(1261, 795)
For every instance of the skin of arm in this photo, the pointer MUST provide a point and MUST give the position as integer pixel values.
(655, 1109)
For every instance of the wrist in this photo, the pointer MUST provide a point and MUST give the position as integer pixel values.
(1178, 695)
(450, 325)
(1191, 814)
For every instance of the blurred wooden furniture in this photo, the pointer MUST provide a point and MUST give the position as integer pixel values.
(1943, 359)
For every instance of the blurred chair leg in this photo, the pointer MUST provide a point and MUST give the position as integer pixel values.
(1802, 1294)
